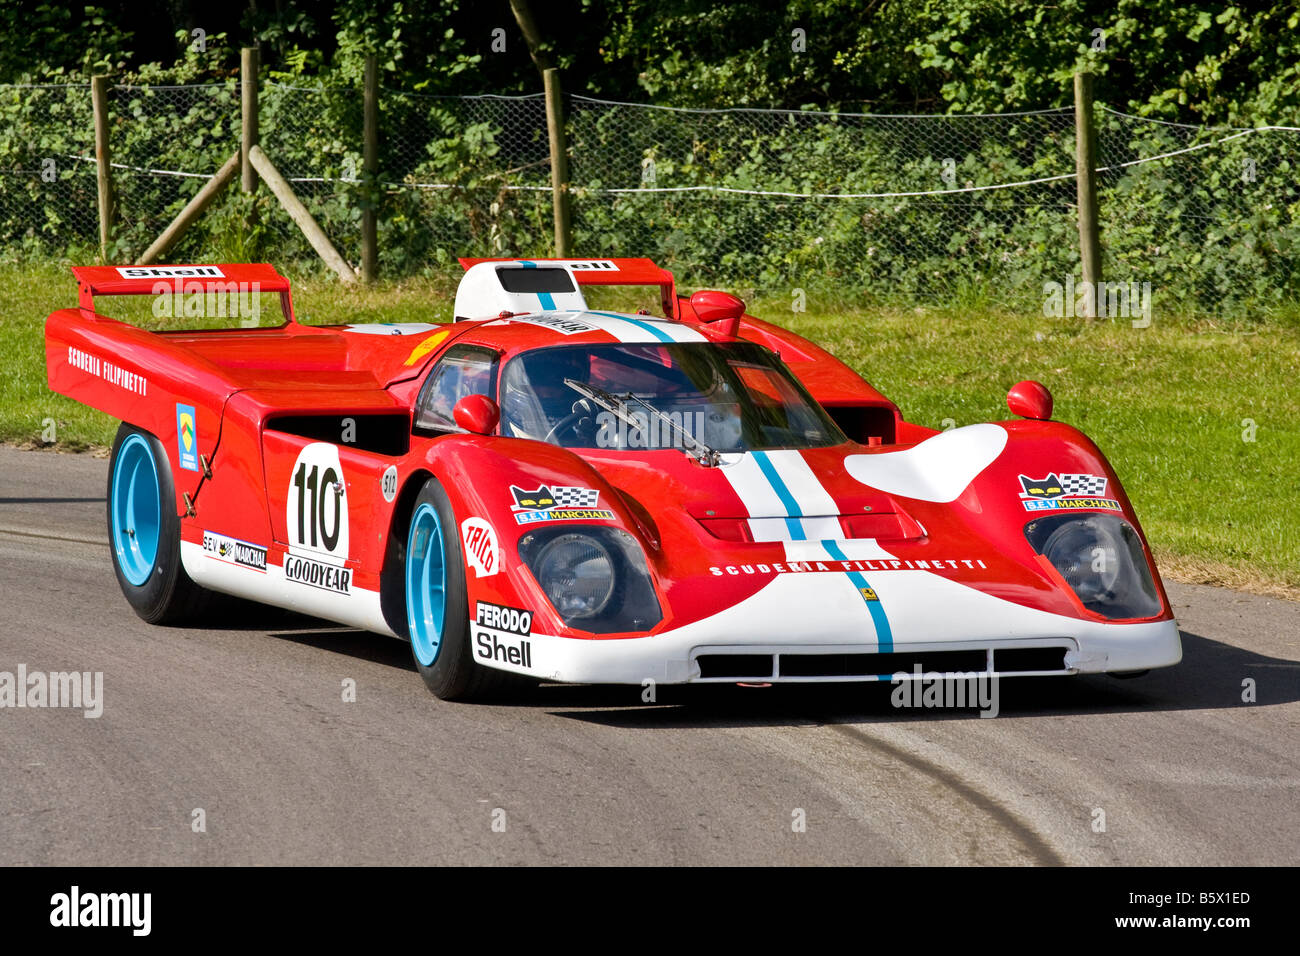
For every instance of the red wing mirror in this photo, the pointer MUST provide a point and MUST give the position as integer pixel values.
(710, 306)
(477, 414)
(1030, 399)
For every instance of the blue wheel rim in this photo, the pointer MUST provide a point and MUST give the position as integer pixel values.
(426, 583)
(135, 509)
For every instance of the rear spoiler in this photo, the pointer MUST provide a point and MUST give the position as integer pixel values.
(165, 280)
(611, 272)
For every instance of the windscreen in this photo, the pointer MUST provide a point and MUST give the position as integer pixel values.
(689, 396)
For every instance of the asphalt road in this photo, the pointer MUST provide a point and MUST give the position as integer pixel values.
(246, 721)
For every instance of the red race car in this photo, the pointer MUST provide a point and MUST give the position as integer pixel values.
(547, 490)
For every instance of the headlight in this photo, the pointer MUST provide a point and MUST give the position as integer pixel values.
(594, 576)
(577, 573)
(1101, 559)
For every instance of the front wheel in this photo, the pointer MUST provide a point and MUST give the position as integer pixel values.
(144, 531)
(437, 603)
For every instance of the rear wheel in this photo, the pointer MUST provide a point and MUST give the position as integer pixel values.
(144, 531)
(437, 603)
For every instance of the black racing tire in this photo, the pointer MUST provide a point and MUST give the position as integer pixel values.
(453, 674)
(167, 595)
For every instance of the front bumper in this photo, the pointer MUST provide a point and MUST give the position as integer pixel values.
(931, 622)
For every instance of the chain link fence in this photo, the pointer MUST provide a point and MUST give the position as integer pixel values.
(920, 208)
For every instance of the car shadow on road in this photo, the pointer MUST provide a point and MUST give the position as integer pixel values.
(363, 645)
(1212, 675)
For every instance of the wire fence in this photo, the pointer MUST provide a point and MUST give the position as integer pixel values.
(922, 207)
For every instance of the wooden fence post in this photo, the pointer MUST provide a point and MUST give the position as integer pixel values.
(559, 161)
(369, 176)
(193, 209)
(99, 106)
(1085, 164)
(299, 214)
(248, 62)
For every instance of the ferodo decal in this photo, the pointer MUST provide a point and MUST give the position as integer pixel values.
(187, 439)
(1064, 491)
(482, 553)
(558, 503)
(501, 635)
(316, 516)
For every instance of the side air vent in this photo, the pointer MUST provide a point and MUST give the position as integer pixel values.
(384, 434)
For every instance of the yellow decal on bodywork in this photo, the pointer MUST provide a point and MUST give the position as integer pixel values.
(426, 346)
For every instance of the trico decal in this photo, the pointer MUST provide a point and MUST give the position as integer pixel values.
(482, 553)
(170, 272)
(317, 574)
(102, 368)
(875, 564)
(1062, 491)
(501, 635)
(234, 551)
(316, 505)
(558, 323)
(558, 503)
(187, 439)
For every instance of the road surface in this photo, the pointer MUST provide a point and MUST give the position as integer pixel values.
(233, 744)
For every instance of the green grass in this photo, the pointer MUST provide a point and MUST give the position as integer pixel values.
(1166, 403)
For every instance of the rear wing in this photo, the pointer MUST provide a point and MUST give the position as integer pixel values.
(611, 272)
(167, 280)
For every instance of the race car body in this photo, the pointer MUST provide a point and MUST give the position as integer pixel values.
(568, 494)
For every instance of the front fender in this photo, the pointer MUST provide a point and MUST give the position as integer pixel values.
(981, 485)
(480, 474)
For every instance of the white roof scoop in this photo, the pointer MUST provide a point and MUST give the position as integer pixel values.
(521, 286)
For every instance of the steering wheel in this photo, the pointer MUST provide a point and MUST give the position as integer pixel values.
(568, 421)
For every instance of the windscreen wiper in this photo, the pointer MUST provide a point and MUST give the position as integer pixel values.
(618, 405)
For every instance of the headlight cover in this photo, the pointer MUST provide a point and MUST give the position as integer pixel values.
(1101, 559)
(595, 577)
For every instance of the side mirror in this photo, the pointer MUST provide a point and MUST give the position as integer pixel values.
(1030, 399)
(710, 305)
(477, 414)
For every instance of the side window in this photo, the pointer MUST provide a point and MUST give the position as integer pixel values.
(464, 370)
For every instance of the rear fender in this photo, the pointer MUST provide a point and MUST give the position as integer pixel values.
(143, 379)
